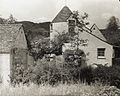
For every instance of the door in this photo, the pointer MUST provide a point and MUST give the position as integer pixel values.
(5, 68)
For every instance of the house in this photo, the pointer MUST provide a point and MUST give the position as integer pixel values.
(11, 36)
(100, 46)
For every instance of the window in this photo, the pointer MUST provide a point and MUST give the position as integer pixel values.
(71, 22)
(71, 29)
(101, 53)
(51, 26)
(93, 28)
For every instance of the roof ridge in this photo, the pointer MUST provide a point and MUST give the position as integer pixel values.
(63, 15)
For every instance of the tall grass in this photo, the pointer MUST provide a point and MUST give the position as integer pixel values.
(47, 90)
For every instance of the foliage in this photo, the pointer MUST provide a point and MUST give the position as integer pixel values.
(39, 48)
(81, 19)
(54, 72)
(21, 75)
(46, 72)
(60, 90)
(108, 75)
(109, 91)
(58, 42)
(10, 20)
(77, 56)
(86, 75)
(113, 24)
(103, 74)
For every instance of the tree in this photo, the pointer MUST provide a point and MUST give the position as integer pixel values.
(39, 48)
(58, 42)
(113, 24)
(81, 21)
(11, 20)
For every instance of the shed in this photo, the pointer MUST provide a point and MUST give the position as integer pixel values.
(11, 36)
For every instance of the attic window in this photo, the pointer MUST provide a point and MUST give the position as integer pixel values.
(101, 53)
(93, 28)
(71, 22)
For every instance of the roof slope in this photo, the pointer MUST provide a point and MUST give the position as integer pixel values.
(8, 35)
(36, 28)
(112, 37)
(63, 15)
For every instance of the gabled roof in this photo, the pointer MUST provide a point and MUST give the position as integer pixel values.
(96, 32)
(63, 15)
(8, 35)
(111, 37)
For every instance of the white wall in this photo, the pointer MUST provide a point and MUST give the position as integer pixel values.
(92, 43)
(58, 28)
(5, 68)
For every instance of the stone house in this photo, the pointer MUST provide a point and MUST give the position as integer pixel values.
(11, 36)
(99, 45)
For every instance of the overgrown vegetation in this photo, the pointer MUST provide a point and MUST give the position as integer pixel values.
(60, 90)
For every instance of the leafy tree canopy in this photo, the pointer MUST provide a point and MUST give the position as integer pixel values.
(113, 24)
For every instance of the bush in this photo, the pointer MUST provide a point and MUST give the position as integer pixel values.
(102, 74)
(86, 74)
(21, 75)
(107, 75)
(77, 56)
(53, 73)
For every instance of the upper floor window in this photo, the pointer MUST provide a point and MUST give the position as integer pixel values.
(101, 53)
(71, 23)
(51, 26)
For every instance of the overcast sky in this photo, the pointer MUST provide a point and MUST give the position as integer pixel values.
(45, 10)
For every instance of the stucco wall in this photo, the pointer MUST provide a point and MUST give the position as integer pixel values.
(90, 46)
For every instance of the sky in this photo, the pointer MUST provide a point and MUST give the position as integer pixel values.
(99, 11)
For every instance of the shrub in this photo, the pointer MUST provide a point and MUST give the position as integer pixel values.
(77, 56)
(20, 75)
(107, 75)
(86, 74)
(53, 73)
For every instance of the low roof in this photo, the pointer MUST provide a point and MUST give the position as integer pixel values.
(63, 15)
(8, 34)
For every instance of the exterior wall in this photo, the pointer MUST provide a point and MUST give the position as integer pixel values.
(5, 68)
(58, 28)
(90, 46)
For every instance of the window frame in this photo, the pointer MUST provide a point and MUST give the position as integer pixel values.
(71, 24)
(101, 53)
(51, 28)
